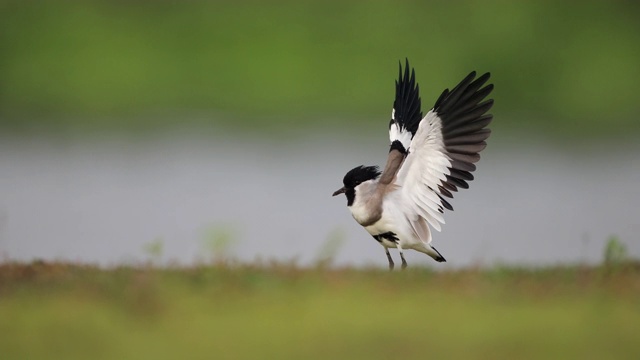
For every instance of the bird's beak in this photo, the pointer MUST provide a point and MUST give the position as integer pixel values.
(340, 191)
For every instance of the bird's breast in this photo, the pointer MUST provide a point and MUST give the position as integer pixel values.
(367, 205)
(366, 213)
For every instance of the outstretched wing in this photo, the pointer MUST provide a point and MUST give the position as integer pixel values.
(444, 150)
(405, 119)
(406, 114)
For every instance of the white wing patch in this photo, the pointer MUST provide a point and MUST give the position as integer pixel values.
(396, 132)
(423, 171)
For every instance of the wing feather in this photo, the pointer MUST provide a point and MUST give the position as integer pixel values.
(405, 119)
(476, 137)
(462, 175)
(444, 149)
(470, 158)
(406, 114)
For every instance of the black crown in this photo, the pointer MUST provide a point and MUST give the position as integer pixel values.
(360, 174)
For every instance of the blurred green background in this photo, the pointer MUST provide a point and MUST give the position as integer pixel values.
(560, 68)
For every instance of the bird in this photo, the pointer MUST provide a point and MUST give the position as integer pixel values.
(430, 158)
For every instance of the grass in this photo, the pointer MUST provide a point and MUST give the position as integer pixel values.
(71, 311)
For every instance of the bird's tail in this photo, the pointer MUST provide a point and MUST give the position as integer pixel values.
(435, 254)
(431, 251)
(421, 230)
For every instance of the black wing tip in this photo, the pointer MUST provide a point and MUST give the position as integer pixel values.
(464, 114)
(407, 103)
(441, 98)
(469, 85)
(488, 88)
(406, 63)
(485, 76)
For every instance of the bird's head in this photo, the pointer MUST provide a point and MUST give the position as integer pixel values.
(355, 177)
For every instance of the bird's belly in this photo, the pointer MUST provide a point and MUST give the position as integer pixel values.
(388, 244)
(379, 230)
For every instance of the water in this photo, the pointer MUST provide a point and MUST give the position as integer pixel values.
(103, 199)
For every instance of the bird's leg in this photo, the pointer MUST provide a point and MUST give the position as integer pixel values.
(391, 264)
(404, 262)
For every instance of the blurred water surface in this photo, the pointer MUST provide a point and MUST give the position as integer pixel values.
(106, 199)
